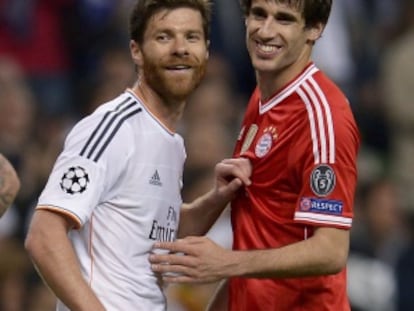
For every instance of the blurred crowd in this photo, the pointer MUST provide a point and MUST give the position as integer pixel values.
(60, 59)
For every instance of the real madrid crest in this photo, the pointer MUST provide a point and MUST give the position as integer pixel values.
(265, 142)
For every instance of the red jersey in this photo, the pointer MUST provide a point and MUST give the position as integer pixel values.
(303, 146)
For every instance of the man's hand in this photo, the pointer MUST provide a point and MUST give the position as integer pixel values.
(9, 184)
(197, 217)
(230, 175)
(193, 260)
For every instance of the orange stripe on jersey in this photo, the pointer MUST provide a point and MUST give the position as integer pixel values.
(90, 249)
(62, 211)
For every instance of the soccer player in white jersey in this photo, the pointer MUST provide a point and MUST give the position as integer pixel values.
(115, 189)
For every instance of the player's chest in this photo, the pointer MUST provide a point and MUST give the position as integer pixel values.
(269, 135)
(155, 171)
(271, 142)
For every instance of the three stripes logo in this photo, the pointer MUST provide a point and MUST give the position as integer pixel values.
(155, 179)
(108, 127)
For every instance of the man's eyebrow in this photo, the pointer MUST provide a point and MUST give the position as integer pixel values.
(286, 16)
(281, 15)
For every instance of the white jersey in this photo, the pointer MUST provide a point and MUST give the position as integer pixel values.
(119, 178)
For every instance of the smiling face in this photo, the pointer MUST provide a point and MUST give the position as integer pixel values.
(277, 39)
(173, 55)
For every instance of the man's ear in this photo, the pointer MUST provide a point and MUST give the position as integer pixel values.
(136, 52)
(315, 32)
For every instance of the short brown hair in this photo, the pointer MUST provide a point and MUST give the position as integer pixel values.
(313, 11)
(143, 10)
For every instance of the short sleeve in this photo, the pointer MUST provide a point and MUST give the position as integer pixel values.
(327, 194)
(88, 166)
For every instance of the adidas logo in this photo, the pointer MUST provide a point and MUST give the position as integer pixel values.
(155, 179)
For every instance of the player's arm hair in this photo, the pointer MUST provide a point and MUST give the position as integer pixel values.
(324, 253)
(55, 260)
(9, 184)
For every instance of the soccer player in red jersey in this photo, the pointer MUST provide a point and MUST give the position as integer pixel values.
(291, 224)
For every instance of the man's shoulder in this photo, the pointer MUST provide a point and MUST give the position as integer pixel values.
(328, 87)
(105, 125)
(123, 103)
(112, 113)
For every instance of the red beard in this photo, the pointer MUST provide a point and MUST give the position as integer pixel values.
(172, 87)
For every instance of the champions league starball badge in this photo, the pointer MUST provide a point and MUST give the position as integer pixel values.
(75, 180)
(322, 180)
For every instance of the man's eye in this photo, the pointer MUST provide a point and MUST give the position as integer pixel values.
(193, 37)
(162, 37)
(258, 13)
(285, 19)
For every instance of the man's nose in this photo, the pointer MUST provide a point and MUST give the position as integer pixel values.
(268, 29)
(180, 46)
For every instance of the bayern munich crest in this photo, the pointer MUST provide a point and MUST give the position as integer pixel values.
(265, 143)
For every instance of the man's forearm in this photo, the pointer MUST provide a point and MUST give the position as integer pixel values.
(197, 217)
(324, 253)
(55, 260)
(66, 282)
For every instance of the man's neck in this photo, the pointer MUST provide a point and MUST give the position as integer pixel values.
(168, 113)
(272, 82)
